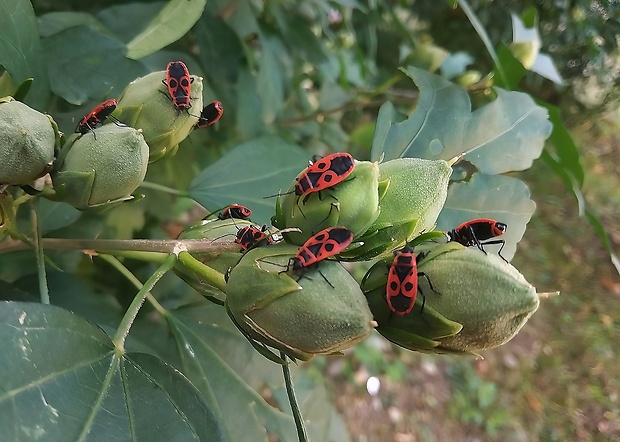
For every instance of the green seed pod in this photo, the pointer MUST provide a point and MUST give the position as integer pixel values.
(28, 142)
(353, 203)
(415, 192)
(302, 318)
(477, 302)
(146, 104)
(101, 168)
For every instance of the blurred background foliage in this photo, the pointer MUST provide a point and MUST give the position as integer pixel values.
(314, 73)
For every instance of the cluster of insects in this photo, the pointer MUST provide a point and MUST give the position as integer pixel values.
(178, 83)
(402, 287)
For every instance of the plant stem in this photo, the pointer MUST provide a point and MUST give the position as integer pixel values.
(114, 262)
(136, 304)
(302, 434)
(170, 190)
(210, 275)
(43, 289)
(136, 245)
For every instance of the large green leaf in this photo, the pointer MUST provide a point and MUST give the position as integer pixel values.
(501, 198)
(270, 79)
(205, 337)
(507, 134)
(197, 330)
(94, 69)
(61, 379)
(504, 135)
(249, 122)
(434, 127)
(249, 173)
(221, 55)
(55, 22)
(121, 19)
(172, 23)
(20, 48)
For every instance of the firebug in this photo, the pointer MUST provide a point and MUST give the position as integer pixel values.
(402, 284)
(179, 84)
(471, 233)
(210, 114)
(235, 211)
(96, 116)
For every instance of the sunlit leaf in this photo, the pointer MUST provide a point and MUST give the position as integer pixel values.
(438, 121)
(20, 48)
(173, 22)
(504, 135)
(507, 134)
(95, 69)
(249, 173)
(501, 198)
(60, 379)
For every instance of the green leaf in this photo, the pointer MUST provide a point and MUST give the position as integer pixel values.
(94, 69)
(513, 68)
(565, 147)
(249, 123)
(506, 134)
(498, 197)
(20, 47)
(198, 330)
(437, 122)
(173, 22)
(270, 81)
(61, 379)
(249, 173)
(55, 22)
(221, 53)
(121, 19)
(53, 215)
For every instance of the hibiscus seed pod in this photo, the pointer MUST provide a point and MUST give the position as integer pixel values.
(28, 142)
(101, 168)
(321, 311)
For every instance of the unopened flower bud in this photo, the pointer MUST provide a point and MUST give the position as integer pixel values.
(321, 311)
(146, 104)
(476, 302)
(102, 167)
(352, 203)
(28, 142)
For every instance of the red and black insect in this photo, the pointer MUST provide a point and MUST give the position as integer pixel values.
(253, 236)
(96, 116)
(328, 242)
(179, 84)
(235, 211)
(210, 114)
(324, 173)
(402, 284)
(471, 233)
